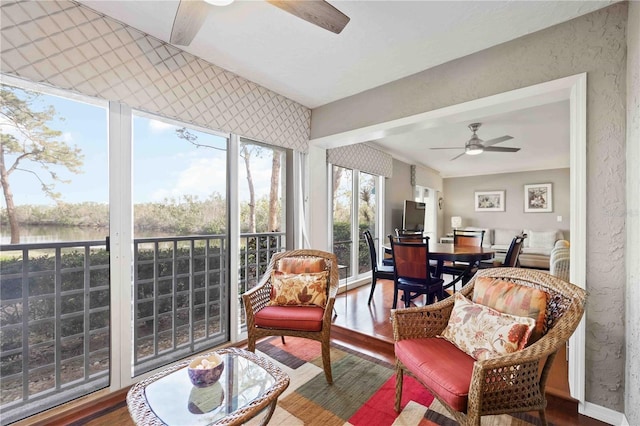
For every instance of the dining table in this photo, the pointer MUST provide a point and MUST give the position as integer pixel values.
(449, 252)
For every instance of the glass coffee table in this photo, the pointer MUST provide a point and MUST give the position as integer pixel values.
(249, 385)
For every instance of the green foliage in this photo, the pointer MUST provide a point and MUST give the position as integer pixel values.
(342, 245)
(29, 144)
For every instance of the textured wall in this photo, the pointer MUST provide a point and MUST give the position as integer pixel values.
(69, 46)
(459, 196)
(632, 400)
(596, 44)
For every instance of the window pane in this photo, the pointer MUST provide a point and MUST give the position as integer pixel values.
(262, 174)
(366, 218)
(180, 241)
(342, 208)
(55, 274)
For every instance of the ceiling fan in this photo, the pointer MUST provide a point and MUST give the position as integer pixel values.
(192, 13)
(475, 145)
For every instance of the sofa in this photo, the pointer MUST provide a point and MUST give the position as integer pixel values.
(536, 250)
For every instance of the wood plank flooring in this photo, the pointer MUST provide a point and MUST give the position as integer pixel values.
(362, 327)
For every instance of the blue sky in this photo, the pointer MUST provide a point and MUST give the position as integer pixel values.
(164, 165)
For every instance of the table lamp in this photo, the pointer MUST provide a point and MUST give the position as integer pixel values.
(456, 222)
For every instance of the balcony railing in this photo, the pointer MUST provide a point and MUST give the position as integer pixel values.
(54, 310)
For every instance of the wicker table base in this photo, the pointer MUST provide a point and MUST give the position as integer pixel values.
(249, 385)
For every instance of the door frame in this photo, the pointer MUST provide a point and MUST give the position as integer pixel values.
(572, 88)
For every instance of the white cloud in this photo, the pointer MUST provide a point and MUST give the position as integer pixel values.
(202, 177)
(156, 126)
(67, 137)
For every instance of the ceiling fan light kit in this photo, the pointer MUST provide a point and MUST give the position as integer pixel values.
(475, 145)
(219, 2)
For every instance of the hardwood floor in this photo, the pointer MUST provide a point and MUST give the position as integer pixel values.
(362, 327)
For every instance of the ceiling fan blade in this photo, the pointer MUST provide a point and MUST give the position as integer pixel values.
(457, 156)
(500, 149)
(449, 147)
(318, 12)
(188, 21)
(496, 140)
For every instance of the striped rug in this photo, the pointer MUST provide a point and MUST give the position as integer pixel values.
(362, 394)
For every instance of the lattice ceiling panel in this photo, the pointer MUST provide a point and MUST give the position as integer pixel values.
(362, 157)
(70, 46)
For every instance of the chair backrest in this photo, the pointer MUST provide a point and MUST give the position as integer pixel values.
(463, 237)
(300, 257)
(511, 259)
(560, 260)
(408, 233)
(411, 259)
(565, 304)
(372, 250)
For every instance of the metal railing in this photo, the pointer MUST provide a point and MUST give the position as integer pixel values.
(54, 324)
(54, 310)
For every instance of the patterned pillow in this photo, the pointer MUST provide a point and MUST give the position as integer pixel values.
(299, 265)
(513, 299)
(483, 332)
(298, 289)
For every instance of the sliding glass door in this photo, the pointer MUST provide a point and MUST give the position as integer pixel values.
(180, 291)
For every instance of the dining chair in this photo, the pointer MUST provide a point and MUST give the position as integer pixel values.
(463, 237)
(294, 297)
(511, 258)
(412, 272)
(383, 272)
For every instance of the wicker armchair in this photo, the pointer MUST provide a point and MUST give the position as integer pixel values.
(560, 260)
(505, 384)
(293, 320)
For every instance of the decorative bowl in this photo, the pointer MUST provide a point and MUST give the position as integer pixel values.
(205, 370)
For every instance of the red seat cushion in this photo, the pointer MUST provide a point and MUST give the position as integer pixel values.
(441, 366)
(301, 318)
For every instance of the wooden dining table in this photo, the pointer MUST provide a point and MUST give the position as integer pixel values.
(441, 253)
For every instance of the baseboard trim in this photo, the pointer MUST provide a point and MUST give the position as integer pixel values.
(603, 414)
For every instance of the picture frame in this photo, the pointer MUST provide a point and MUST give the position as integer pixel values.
(489, 201)
(538, 198)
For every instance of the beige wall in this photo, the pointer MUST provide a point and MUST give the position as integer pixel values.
(632, 294)
(459, 201)
(397, 189)
(595, 44)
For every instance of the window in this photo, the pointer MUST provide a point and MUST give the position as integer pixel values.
(180, 241)
(354, 191)
(55, 307)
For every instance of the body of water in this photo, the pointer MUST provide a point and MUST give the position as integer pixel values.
(55, 233)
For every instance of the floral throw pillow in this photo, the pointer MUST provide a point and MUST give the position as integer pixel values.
(298, 289)
(483, 332)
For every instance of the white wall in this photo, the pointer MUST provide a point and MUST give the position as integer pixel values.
(459, 201)
(318, 200)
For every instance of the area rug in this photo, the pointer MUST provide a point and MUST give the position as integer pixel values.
(362, 394)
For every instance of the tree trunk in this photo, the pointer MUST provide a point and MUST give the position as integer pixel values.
(337, 175)
(274, 223)
(252, 193)
(8, 196)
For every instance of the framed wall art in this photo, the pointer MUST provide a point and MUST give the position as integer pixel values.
(489, 201)
(538, 198)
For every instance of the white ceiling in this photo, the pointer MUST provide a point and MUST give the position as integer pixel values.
(541, 133)
(383, 42)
